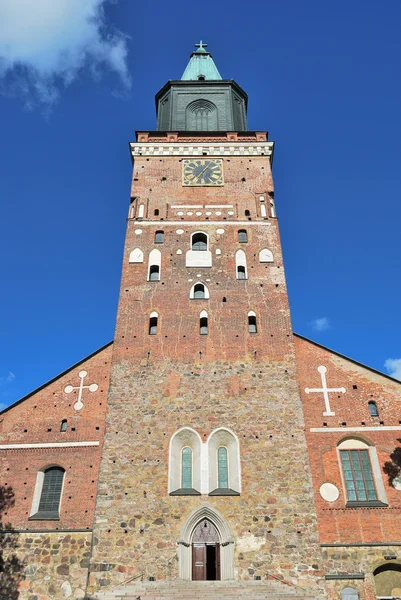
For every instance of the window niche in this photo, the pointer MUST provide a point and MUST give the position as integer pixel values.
(240, 265)
(224, 463)
(185, 463)
(154, 265)
(199, 291)
(199, 254)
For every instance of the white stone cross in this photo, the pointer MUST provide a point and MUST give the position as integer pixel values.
(92, 388)
(322, 370)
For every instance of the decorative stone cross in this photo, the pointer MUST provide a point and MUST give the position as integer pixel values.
(92, 388)
(201, 45)
(322, 370)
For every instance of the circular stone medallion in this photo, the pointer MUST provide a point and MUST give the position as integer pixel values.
(329, 492)
(220, 231)
(179, 231)
(138, 231)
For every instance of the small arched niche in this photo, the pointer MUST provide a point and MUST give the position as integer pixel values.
(265, 256)
(349, 593)
(185, 438)
(224, 438)
(240, 263)
(155, 259)
(136, 256)
(388, 580)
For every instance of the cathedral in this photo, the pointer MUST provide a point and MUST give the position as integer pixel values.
(208, 451)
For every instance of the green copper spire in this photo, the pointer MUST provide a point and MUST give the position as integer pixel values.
(201, 66)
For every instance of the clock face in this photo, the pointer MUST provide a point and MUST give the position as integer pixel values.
(202, 172)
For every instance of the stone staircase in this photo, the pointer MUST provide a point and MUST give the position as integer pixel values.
(207, 590)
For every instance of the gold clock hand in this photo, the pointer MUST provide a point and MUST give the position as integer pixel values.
(201, 173)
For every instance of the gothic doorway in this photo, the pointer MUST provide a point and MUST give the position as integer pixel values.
(205, 552)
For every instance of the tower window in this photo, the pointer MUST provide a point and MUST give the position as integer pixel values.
(241, 274)
(159, 237)
(242, 236)
(156, 212)
(153, 323)
(199, 242)
(63, 425)
(201, 78)
(247, 213)
(373, 409)
(154, 273)
(199, 291)
(252, 322)
(203, 323)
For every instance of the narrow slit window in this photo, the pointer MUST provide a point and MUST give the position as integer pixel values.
(252, 323)
(154, 273)
(153, 325)
(199, 242)
(242, 236)
(63, 425)
(186, 468)
(159, 237)
(373, 409)
(222, 464)
(203, 323)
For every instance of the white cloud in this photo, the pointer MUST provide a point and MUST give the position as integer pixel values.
(393, 366)
(321, 324)
(45, 45)
(5, 379)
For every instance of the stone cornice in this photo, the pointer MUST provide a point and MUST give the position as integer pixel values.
(202, 149)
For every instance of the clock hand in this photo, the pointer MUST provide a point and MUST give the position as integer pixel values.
(201, 173)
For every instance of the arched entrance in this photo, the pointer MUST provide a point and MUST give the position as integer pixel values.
(205, 552)
(214, 543)
(388, 580)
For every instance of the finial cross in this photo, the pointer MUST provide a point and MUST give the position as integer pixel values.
(92, 388)
(201, 45)
(328, 412)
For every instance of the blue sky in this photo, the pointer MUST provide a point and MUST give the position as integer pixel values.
(78, 78)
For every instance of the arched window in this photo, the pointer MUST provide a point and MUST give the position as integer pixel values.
(373, 409)
(240, 262)
(242, 236)
(222, 468)
(252, 328)
(203, 323)
(349, 593)
(224, 463)
(159, 237)
(186, 468)
(63, 425)
(185, 463)
(199, 290)
(201, 115)
(154, 265)
(47, 495)
(361, 474)
(141, 211)
(199, 242)
(153, 323)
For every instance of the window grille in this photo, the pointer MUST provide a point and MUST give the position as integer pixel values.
(222, 463)
(51, 491)
(358, 475)
(186, 468)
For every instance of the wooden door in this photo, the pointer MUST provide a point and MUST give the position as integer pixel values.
(198, 562)
(218, 576)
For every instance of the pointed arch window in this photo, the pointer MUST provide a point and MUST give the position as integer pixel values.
(153, 323)
(203, 323)
(373, 409)
(186, 468)
(222, 468)
(240, 262)
(47, 495)
(154, 265)
(252, 327)
(199, 242)
(159, 237)
(242, 236)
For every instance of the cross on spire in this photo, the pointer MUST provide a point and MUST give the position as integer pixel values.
(201, 46)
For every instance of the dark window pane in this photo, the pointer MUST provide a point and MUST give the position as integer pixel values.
(241, 272)
(242, 235)
(159, 237)
(199, 291)
(373, 409)
(51, 490)
(199, 242)
(252, 324)
(153, 326)
(203, 326)
(154, 274)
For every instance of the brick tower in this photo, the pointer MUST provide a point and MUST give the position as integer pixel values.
(205, 472)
